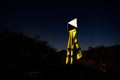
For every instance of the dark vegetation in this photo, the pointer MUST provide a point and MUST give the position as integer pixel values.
(26, 57)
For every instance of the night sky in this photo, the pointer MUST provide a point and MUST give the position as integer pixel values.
(98, 21)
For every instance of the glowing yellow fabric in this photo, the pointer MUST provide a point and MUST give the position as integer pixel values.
(72, 40)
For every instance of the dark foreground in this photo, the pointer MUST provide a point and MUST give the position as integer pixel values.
(61, 72)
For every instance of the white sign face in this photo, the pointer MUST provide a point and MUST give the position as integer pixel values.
(73, 22)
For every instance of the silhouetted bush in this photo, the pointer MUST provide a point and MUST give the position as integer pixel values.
(21, 53)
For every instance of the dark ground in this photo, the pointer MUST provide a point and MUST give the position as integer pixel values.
(62, 72)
